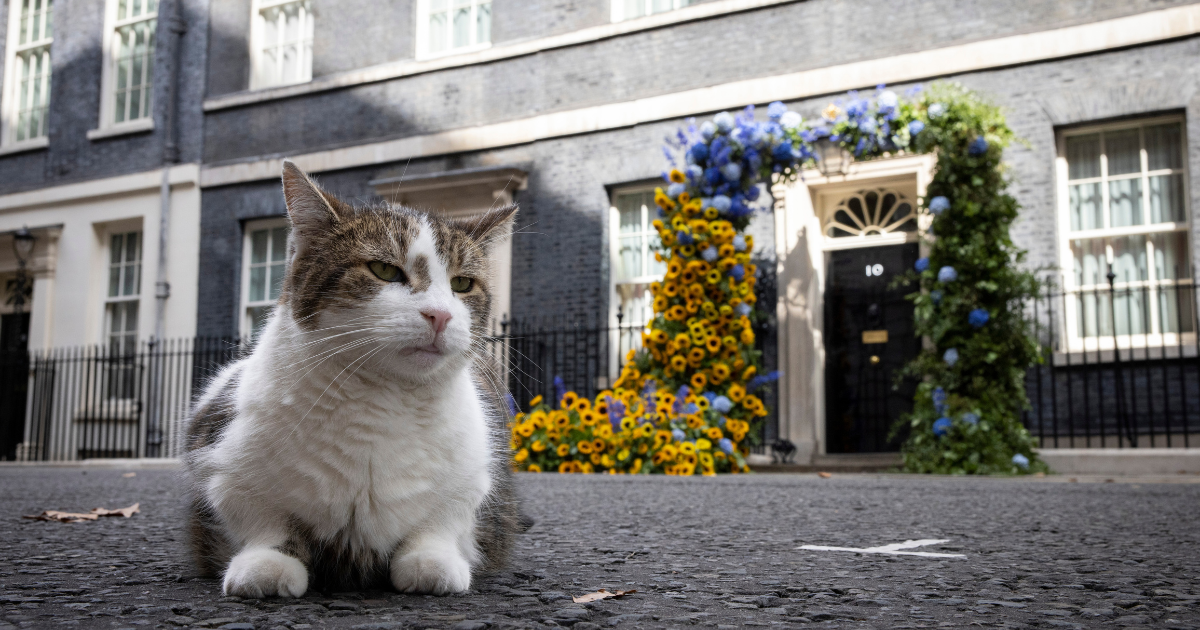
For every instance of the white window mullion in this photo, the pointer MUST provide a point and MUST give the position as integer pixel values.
(281, 40)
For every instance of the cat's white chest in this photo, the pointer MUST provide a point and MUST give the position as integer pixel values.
(363, 466)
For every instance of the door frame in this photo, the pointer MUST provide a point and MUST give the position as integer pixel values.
(801, 260)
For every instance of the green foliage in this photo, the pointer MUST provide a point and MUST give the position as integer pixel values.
(972, 237)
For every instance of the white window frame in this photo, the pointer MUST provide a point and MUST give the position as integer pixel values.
(423, 34)
(245, 325)
(258, 70)
(619, 14)
(623, 338)
(1073, 340)
(108, 125)
(10, 104)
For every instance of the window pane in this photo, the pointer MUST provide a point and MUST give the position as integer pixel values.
(1171, 256)
(1123, 152)
(462, 27)
(1129, 258)
(437, 31)
(258, 319)
(276, 281)
(631, 258)
(658, 6)
(483, 23)
(1083, 156)
(279, 244)
(636, 309)
(631, 219)
(1163, 147)
(634, 8)
(116, 248)
(1166, 198)
(258, 246)
(114, 281)
(1125, 202)
(132, 247)
(1086, 207)
(1090, 261)
(131, 316)
(258, 284)
(132, 279)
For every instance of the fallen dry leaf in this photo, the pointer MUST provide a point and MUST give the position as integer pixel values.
(62, 517)
(129, 474)
(75, 517)
(125, 511)
(599, 595)
(824, 475)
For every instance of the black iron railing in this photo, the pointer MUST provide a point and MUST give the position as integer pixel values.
(1121, 367)
(94, 402)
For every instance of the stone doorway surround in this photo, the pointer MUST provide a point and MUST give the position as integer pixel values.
(801, 246)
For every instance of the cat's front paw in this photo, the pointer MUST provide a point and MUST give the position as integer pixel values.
(432, 571)
(263, 572)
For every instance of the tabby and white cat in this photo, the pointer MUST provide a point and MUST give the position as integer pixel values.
(359, 442)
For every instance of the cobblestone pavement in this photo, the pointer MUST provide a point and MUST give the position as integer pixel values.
(704, 552)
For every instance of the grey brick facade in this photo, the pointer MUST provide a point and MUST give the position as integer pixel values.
(75, 101)
(560, 260)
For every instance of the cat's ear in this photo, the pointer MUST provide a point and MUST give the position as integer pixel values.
(490, 226)
(313, 211)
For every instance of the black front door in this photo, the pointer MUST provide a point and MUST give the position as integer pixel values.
(868, 337)
(14, 381)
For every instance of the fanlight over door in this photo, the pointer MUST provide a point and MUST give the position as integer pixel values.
(871, 212)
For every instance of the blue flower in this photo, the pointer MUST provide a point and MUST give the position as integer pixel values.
(867, 125)
(709, 254)
(936, 295)
(970, 418)
(680, 394)
(936, 110)
(776, 110)
(950, 356)
(939, 204)
(742, 309)
(732, 172)
(560, 388)
(512, 404)
(763, 379)
(738, 272)
(699, 152)
(684, 238)
(941, 426)
(724, 122)
(722, 404)
(947, 274)
(679, 435)
(694, 173)
(978, 147)
(939, 400)
(922, 263)
(978, 318)
(887, 101)
(647, 389)
(915, 127)
(1020, 460)
(726, 445)
(783, 152)
(791, 120)
(616, 411)
(753, 193)
(674, 190)
(739, 243)
(722, 203)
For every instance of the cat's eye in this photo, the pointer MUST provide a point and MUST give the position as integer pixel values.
(461, 284)
(386, 272)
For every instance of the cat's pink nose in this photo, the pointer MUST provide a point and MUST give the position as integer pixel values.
(437, 320)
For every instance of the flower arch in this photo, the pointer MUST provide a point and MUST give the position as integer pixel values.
(687, 401)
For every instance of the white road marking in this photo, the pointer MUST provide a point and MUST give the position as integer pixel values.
(893, 549)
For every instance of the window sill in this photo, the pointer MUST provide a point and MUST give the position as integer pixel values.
(25, 145)
(461, 50)
(140, 125)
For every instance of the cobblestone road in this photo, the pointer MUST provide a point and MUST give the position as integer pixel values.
(704, 552)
